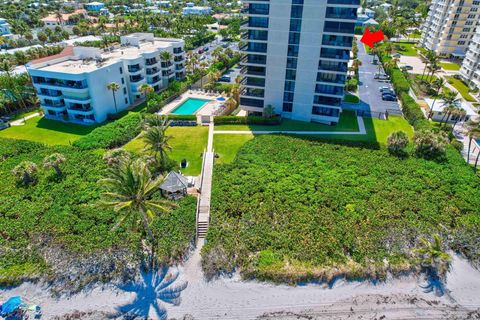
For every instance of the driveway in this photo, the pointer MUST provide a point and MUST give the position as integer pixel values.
(415, 62)
(368, 89)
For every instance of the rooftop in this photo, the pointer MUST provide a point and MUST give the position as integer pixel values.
(86, 59)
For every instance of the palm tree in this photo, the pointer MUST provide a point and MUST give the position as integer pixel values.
(156, 141)
(114, 87)
(458, 114)
(165, 56)
(54, 161)
(155, 120)
(431, 57)
(59, 17)
(450, 102)
(146, 90)
(129, 188)
(437, 85)
(25, 172)
(432, 255)
(115, 156)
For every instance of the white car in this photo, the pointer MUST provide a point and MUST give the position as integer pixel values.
(387, 89)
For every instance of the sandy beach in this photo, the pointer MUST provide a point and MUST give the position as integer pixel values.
(231, 298)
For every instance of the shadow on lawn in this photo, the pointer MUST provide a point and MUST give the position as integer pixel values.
(65, 127)
(151, 290)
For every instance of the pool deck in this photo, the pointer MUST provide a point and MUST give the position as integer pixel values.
(206, 110)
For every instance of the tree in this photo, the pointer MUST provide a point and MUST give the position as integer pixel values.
(457, 114)
(397, 142)
(450, 103)
(54, 161)
(42, 37)
(146, 90)
(433, 256)
(115, 156)
(165, 56)
(430, 145)
(114, 87)
(155, 120)
(473, 133)
(437, 85)
(129, 188)
(157, 142)
(269, 111)
(25, 172)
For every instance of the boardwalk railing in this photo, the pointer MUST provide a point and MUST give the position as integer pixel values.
(199, 195)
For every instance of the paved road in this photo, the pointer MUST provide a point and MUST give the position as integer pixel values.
(370, 96)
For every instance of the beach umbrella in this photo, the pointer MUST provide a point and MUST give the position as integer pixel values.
(11, 304)
(221, 99)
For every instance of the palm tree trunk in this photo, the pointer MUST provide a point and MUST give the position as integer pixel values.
(114, 101)
(58, 170)
(469, 146)
(476, 160)
(441, 121)
(149, 235)
(424, 70)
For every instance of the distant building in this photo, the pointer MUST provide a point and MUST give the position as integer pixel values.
(450, 26)
(439, 115)
(5, 28)
(191, 9)
(52, 20)
(370, 23)
(72, 85)
(470, 70)
(94, 6)
(368, 12)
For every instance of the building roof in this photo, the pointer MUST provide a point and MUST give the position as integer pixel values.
(65, 16)
(68, 51)
(174, 182)
(440, 105)
(370, 22)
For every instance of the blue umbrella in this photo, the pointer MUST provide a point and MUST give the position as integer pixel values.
(11, 304)
(221, 99)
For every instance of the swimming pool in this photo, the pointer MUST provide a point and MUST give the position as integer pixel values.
(189, 106)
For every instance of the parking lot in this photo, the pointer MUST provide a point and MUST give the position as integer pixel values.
(369, 88)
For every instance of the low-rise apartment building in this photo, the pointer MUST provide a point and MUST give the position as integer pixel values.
(191, 9)
(73, 84)
(296, 57)
(450, 26)
(470, 70)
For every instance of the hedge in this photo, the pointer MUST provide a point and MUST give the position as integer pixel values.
(111, 135)
(182, 117)
(247, 120)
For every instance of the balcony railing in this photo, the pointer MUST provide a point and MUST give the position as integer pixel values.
(134, 80)
(337, 67)
(58, 83)
(252, 71)
(54, 105)
(135, 68)
(150, 62)
(257, 93)
(153, 71)
(76, 98)
(337, 43)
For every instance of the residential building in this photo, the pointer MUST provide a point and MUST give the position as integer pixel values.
(438, 114)
(191, 9)
(296, 57)
(94, 6)
(470, 70)
(65, 19)
(449, 26)
(73, 84)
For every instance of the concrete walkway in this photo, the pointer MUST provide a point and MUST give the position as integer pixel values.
(21, 122)
(203, 211)
(361, 127)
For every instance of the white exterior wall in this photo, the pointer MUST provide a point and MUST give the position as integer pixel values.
(470, 70)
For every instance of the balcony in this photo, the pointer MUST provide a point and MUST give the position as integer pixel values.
(253, 82)
(166, 65)
(73, 98)
(258, 8)
(80, 107)
(331, 78)
(345, 2)
(54, 105)
(254, 47)
(257, 22)
(134, 68)
(150, 62)
(136, 79)
(329, 101)
(72, 84)
(178, 51)
(341, 13)
(254, 59)
(252, 93)
(253, 71)
(248, 102)
(151, 71)
(337, 41)
(329, 90)
(339, 27)
(178, 59)
(49, 93)
(154, 80)
(335, 66)
(335, 54)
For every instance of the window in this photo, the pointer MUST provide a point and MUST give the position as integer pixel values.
(323, 111)
(296, 12)
(288, 96)
(121, 70)
(123, 81)
(461, 43)
(289, 86)
(292, 51)
(291, 75)
(124, 90)
(294, 38)
(287, 107)
(292, 63)
(295, 25)
(126, 101)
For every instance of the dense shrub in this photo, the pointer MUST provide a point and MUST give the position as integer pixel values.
(400, 83)
(429, 144)
(413, 113)
(397, 142)
(183, 117)
(359, 212)
(247, 120)
(58, 226)
(113, 134)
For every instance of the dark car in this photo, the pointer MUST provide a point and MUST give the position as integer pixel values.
(405, 68)
(205, 49)
(388, 97)
(200, 51)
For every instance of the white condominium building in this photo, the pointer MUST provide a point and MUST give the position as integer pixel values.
(296, 57)
(450, 25)
(470, 70)
(72, 85)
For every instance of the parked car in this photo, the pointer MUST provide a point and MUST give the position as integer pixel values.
(5, 118)
(405, 68)
(200, 51)
(389, 97)
(383, 89)
(205, 49)
(381, 76)
(225, 79)
(226, 45)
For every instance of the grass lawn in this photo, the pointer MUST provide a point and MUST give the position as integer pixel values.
(187, 143)
(450, 66)
(406, 48)
(47, 131)
(348, 122)
(227, 145)
(461, 87)
(20, 115)
(350, 98)
(414, 35)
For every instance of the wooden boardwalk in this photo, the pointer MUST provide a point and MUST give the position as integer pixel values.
(203, 205)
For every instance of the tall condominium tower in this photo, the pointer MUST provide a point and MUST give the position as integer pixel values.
(296, 57)
(470, 70)
(450, 26)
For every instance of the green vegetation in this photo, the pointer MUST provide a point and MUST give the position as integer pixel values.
(57, 223)
(348, 122)
(406, 48)
(462, 88)
(350, 98)
(186, 142)
(450, 66)
(227, 146)
(39, 129)
(353, 208)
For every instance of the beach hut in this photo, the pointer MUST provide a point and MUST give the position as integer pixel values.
(175, 185)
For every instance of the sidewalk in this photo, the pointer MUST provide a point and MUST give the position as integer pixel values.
(21, 121)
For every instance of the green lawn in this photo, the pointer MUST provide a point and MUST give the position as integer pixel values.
(47, 131)
(414, 35)
(348, 122)
(227, 145)
(187, 143)
(350, 98)
(406, 48)
(20, 115)
(450, 66)
(461, 87)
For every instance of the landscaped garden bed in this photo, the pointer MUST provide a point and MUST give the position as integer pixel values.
(289, 209)
(462, 88)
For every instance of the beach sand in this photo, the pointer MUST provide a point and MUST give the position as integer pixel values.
(232, 298)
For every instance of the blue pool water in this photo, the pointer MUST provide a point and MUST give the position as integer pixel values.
(189, 106)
